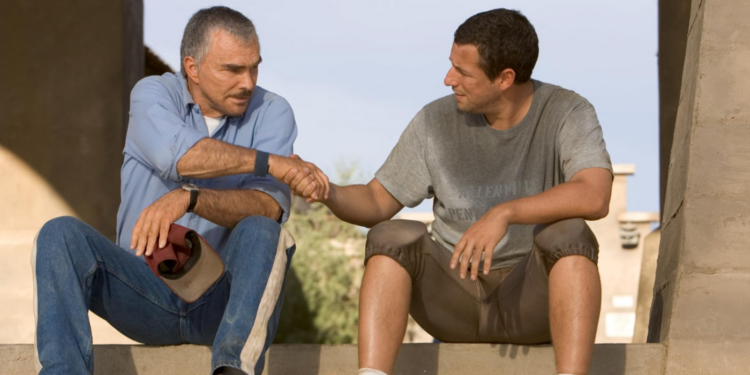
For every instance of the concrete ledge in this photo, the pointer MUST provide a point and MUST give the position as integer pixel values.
(300, 359)
(638, 217)
(623, 169)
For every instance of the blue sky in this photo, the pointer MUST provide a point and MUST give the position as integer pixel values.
(356, 72)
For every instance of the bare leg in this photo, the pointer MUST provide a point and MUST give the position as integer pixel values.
(383, 313)
(575, 296)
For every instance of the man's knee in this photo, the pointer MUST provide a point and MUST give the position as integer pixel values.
(400, 240)
(396, 233)
(564, 238)
(56, 242)
(64, 229)
(257, 225)
(260, 233)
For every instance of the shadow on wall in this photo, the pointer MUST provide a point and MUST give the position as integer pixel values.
(114, 359)
(418, 359)
(67, 98)
(609, 359)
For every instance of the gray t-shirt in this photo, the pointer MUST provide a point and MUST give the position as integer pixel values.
(469, 167)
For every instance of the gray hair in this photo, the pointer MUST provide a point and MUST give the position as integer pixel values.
(197, 37)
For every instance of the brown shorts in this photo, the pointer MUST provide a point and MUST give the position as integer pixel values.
(510, 305)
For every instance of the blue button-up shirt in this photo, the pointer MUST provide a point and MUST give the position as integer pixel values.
(165, 123)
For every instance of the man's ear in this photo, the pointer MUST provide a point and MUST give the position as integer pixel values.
(506, 79)
(191, 68)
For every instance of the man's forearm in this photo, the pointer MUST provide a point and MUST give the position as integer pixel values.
(575, 199)
(361, 204)
(210, 158)
(228, 207)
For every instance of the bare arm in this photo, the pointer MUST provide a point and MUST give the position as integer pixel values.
(585, 196)
(228, 207)
(210, 158)
(223, 207)
(364, 205)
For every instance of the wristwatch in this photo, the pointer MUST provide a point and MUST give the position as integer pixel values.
(193, 189)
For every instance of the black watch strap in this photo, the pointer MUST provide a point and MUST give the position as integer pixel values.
(193, 199)
(261, 163)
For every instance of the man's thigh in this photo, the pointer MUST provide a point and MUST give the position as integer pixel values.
(518, 311)
(124, 292)
(447, 307)
(507, 306)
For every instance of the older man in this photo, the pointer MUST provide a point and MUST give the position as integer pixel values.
(198, 151)
(514, 165)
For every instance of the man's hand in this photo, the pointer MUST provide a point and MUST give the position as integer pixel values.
(481, 237)
(305, 180)
(155, 220)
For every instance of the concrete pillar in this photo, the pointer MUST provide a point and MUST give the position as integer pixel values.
(67, 71)
(68, 68)
(703, 274)
(646, 285)
(673, 28)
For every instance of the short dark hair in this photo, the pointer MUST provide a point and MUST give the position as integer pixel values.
(197, 36)
(505, 39)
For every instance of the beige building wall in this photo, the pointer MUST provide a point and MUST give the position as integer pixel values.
(620, 267)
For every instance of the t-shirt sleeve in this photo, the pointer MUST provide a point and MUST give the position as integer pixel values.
(582, 143)
(404, 174)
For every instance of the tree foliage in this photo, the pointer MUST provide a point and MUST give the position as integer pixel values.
(321, 304)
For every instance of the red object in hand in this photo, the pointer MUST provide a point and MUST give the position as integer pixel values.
(187, 264)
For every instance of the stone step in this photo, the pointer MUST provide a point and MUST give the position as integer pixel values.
(307, 359)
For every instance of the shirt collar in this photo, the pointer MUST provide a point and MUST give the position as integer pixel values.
(187, 99)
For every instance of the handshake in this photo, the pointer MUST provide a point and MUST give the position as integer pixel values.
(305, 179)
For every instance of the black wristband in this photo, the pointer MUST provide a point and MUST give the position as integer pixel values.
(261, 163)
(193, 189)
(193, 200)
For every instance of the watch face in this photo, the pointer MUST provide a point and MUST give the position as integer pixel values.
(189, 187)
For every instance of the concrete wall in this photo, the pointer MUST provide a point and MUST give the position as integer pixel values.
(646, 285)
(703, 274)
(67, 71)
(673, 27)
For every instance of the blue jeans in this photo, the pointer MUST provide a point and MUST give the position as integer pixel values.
(76, 269)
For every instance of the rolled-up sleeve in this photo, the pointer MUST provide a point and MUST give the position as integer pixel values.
(275, 134)
(157, 134)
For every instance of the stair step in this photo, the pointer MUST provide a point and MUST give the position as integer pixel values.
(308, 359)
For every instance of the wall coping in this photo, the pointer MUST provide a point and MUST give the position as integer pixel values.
(309, 359)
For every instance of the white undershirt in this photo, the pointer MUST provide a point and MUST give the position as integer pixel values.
(212, 124)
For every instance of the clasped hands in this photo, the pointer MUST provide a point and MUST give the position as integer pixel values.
(305, 179)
